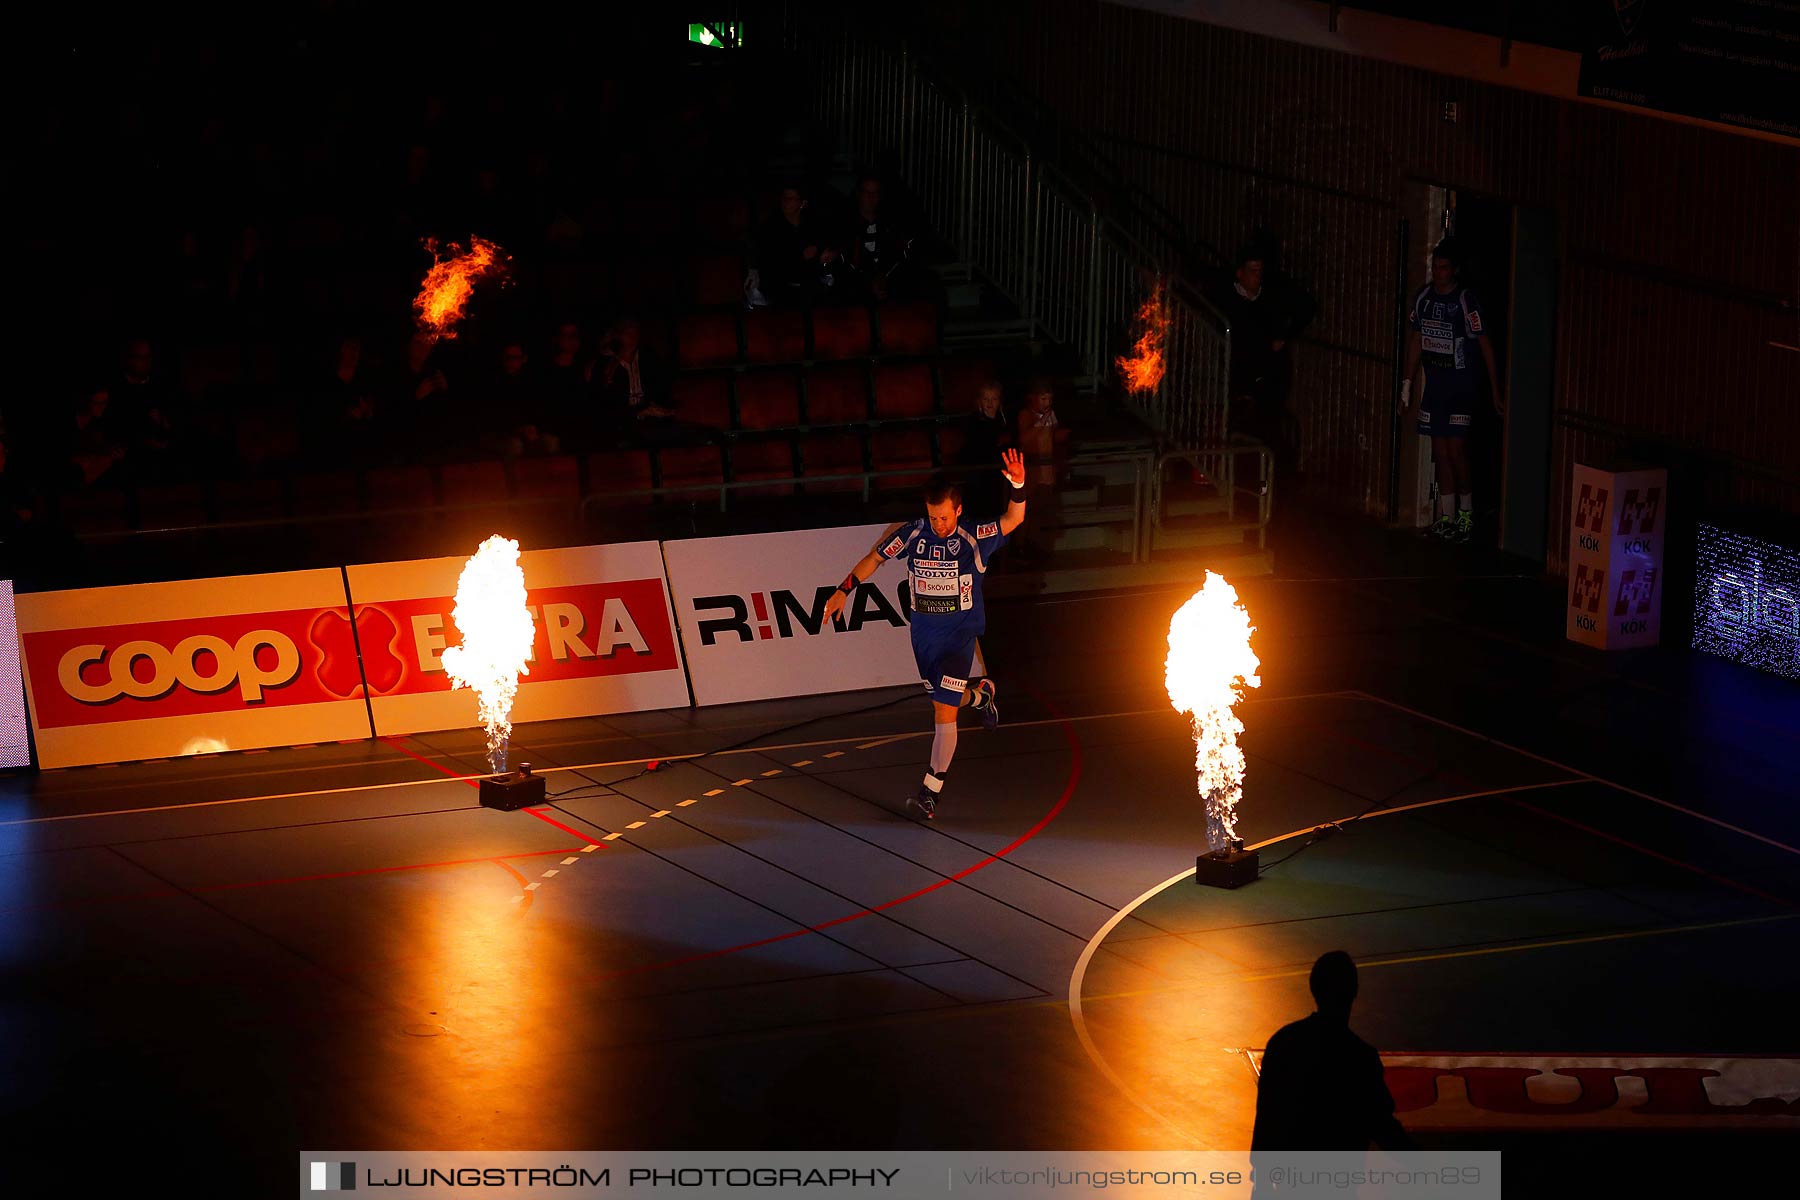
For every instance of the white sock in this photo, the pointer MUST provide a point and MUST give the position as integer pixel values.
(943, 746)
(1464, 501)
(934, 782)
(1445, 500)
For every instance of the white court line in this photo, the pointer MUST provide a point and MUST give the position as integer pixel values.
(570, 859)
(1400, 808)
(1583, 775)
(615, 833)
(635, 825)
(623, 762)
(661, 812)
(685, 803)
(550, 874)
(884, 741)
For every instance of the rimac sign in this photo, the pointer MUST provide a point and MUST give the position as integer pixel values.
(752, 615)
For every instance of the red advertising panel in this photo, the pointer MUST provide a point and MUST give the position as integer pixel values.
(162, 669)
(605, 638)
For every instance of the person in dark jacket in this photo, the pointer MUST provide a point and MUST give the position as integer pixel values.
(792, 259)
(1321, 1086)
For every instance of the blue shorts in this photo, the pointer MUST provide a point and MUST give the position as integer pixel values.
(944, 662)
(1447, 408)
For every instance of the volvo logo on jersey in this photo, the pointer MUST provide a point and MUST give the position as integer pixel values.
(782, 613)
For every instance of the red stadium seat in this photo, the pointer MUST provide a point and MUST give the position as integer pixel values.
(557, 478)
(164, 506)
(837, 395)
(475, 482)
(898, 449)
(708, 339)
(774, 335)
(765, 459)
(952, 439)
(619, 472)
(768, 399)
(840, 333)
(721, 219)
(832, 454)
(904, 391)
(258, 499)
(718, 279)
(263, 435)
(401, 487)
(962, 382)
(683, 466)
(703, 400)
(96, 510)
(325, 495)
(908, 327)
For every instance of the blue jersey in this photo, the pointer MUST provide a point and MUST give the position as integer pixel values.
(945, 575)
(1447, 323)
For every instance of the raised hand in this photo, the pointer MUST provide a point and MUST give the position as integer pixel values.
(1012, 465)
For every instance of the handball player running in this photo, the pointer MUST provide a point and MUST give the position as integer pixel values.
(946, 560)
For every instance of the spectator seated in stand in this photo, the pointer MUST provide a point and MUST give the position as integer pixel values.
(563, 378)
(987, 435)
(420, 414)
(875, 247)
(630, 387)
(792, 260)
(1045, 442)
(343, 418)
(96, 446)
(143, 412)
(515, 400)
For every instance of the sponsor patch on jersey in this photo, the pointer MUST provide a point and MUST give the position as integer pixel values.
(1474, 319)
(1461, 419)
(894, 547)
(987, 531)
(937, 552)
(951, 683)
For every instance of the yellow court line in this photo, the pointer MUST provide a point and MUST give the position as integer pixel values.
(619, 762)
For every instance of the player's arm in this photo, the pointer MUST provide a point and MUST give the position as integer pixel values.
(1013, 467)
(1412, 367)
(865, 568)
(1487, 356)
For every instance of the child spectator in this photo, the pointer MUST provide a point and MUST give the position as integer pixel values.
(1045, 442)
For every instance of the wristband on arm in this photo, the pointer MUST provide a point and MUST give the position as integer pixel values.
(850, 583)
(1018, 492)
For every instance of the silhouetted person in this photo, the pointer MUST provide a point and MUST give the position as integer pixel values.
(1321, 1086)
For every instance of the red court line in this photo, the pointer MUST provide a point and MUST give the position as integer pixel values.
(549, 820)
(255, 883)
(1664, 858)
(394, 742)
(525, 893)
(1043, 821)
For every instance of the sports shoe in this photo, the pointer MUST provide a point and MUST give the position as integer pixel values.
(922, 802)
(1444, 528)
(990, 712)
(1465, 526)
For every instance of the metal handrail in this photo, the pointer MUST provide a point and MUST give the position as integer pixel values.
(1029, 230)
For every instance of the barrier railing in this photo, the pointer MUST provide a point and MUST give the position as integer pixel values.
(1025, 228)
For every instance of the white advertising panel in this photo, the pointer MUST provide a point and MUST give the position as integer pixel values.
(15, 743)
(200, 666)
(752, 612)
(605, 638)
